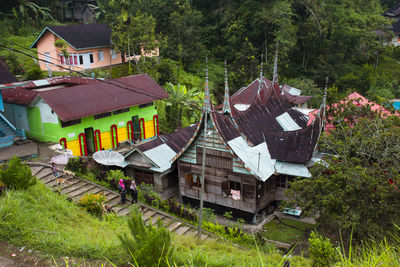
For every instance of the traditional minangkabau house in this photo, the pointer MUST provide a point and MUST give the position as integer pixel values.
(252, 151)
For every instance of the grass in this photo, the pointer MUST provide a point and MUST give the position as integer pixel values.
(45, 221)
(286, 230)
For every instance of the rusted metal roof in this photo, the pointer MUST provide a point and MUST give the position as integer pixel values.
(5, 75)
(23, 93)
(84, 100)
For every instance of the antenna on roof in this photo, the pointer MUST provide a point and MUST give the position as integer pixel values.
(207, 105)
(227, 107)
(261, 75)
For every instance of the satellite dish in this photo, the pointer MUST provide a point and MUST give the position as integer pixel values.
(107, 157)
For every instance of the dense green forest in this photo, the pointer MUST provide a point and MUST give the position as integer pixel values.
(344, 40)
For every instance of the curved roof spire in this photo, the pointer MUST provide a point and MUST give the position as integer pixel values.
(275, 77)
(207, 104)
(261, 75)
(227, 106)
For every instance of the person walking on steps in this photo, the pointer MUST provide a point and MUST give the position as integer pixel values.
(54, 170)
(122, 191)
(134, 191)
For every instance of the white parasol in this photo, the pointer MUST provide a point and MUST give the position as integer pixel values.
(107, 157)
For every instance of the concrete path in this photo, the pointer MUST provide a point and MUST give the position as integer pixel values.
(21, 151)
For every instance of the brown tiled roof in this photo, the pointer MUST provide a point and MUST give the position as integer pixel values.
(94, 98)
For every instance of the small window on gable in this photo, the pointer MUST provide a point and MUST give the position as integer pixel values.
(102, 115)
(69, 123)
(122, 110)
(100, 55)
(146, 105)
(281, 181)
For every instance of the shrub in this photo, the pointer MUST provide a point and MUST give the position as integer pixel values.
(115, 175)
(93, 203)
(147, 245)
(2, 188)
(321, 250)
(34, 73)
(77, 165)
(16, 175)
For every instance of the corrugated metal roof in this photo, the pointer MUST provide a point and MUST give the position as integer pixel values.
(5, 75)
(161, 155)
(94, 98)
(292, 169)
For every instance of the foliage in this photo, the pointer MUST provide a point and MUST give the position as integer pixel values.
(13, 64)
(147, 245)
(30, 12)
(357, 188)
(62, 46)
(113, 177)
(93, 203)
(2, 188)
(34, 74)
(321, 250)
(16, 175)
(234, 234)
(77, 164)
(285, 230)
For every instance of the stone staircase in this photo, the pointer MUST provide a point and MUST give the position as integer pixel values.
(77, 187)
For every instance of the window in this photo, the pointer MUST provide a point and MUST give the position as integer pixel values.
(122, 110)
(193, 179)
(146, 105)
(113, 54)
(91, 57)
(100, 55)
(75, 59)
(80, 59)
(215, 158)
(102, 115)
(62, 59)
(281, 182)
(69, 123)
(235, 190)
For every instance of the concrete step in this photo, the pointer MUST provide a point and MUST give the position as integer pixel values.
(167, 221)
(148, 214)
(155, 218)
(73, 187)
(124, 211)
(44, 172)
(174, 226)
(114, 201)
(95, 190)
(182, 230)
(70, 183)
(191, 232)
(35, 169)
(81, 191)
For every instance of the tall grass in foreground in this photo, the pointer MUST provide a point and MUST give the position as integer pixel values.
(45, 221)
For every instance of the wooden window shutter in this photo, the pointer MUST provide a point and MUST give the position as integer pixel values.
(248, 190)
(189, 179)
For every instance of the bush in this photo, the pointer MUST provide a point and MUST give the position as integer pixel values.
(16, 175)
(34, 74)
(93, 203)
(321, 250)
(147, 245)
(113, 177)
(2, 188)
(77, 165)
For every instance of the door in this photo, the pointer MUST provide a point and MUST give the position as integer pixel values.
(86, 60)
(136, 128)
(89, 140)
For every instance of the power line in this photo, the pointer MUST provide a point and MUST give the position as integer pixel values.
(188, 104)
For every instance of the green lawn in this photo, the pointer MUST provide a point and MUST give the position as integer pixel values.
(286, 230)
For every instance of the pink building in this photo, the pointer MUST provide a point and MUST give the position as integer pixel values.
(88, 47)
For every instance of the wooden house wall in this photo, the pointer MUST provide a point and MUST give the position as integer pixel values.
(222, 166)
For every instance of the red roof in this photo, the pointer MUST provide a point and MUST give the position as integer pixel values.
(358, 100)
(94, 98)
(87, 96)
